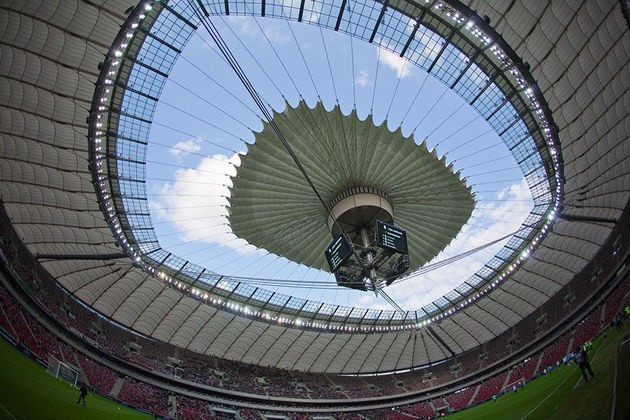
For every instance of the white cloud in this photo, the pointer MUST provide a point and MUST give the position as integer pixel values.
(491, 221)
(370, 300)
(273, 30)
(362, 79)
(410, 25)
(395, 62)
(312, 11)
(429, 46)
(276, 35)
(195, 203)
(244, 25)
(290, 4)
(186, 147)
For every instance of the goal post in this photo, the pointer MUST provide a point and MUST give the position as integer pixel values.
(514, 385)
(61, 370)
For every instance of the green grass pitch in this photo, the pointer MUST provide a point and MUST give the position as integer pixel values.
(27, 391)
(562, 394)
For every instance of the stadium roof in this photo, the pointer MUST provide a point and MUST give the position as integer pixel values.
(272, 204)
(466, 55)
(52, 53)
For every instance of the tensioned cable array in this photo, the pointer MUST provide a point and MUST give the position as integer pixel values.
(232, 61)
(234, 64)
(303, 283)
(481, 218)
(216, 36)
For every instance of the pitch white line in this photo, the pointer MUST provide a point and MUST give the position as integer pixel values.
(576, 384)
(613, 410)
(546, 398)
(8, 412)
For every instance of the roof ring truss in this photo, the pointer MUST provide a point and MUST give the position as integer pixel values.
(522, 120)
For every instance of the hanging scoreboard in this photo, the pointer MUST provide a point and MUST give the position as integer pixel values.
(374, 266)
(338, 252)
(391, 237)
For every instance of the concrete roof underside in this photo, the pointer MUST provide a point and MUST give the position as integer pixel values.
(50, 53)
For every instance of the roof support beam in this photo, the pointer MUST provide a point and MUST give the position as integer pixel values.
(341, 10)
(301, 10)
(585, 219)
(415, 29)
(470, 333)
(439, 340)
(378, 21)
(115, 256)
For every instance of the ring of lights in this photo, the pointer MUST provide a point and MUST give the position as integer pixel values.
(130, 83)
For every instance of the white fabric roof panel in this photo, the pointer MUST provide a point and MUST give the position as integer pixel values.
(141, 299)
(222, 343)
(478, 322)
(585, 236)
(263, 343)
(510, 304)
(546, 277)
(276, 356)
(462, 324)
(35, 70)
(185, 336)
(245, 342)
(111, 299)
(338, 352)
(297, 348)
(88, 279)
(173, 319)
(565, 259)
(50, 50)
(331, 344)
(525, 298)
(310, 353)
(406, 354)
(385, 353)
(493, 315)
(449, 332)
(213, 329)
(51, 215)
(52, 194)
(366, 349)
(151, 318)
(540, 289)
(434, 350)
(399, 351)
(41, 243)
(60, 166)
(43, 131)
(91, 291)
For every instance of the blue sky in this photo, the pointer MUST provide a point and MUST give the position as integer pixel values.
(205, 118)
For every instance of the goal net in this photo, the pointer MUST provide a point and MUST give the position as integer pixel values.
(514, 385)
(61, 370)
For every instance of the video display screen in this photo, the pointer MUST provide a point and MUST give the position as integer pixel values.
(391, 237)
(338, 252)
